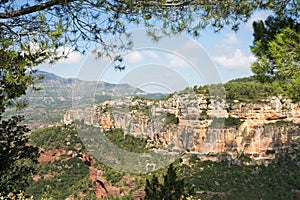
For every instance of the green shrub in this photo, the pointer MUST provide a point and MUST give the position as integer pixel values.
(226, 122)
(203, 114)
(113, 175)
(127, 142)
(270, 152)
(171, 119)
(232, 122)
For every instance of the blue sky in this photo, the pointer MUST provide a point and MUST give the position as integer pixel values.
(229, 52)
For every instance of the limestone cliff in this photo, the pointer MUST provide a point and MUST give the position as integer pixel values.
(199, 124)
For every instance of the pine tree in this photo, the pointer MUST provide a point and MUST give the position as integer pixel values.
(152, 188)
(17, 157)
(173, 188)
(277, 48)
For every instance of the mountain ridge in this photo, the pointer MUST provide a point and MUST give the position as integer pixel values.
(47, 106)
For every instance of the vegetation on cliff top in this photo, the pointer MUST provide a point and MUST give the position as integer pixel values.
(243, 89)
(246, 89)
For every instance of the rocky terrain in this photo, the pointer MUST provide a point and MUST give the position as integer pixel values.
(200, 124)
(100, 185)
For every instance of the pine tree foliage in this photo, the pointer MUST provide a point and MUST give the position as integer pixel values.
(50, 25)
(173, 188)
(16, 155)
(153, 188)
(277, 48)
(15, 78)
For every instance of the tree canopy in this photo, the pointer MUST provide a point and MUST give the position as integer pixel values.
(49, 24)
(171, 188)
(277, 48)
(17, 157)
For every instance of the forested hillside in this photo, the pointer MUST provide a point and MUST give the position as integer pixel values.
(65, 170)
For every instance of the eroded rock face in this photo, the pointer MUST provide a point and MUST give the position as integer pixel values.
(196, 130)
(98, 182)
(101, 186)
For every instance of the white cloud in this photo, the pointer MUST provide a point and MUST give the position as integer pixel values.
(176, 61)
(73, 57)
(231, 53)
(228, 45)
(134, 57)
(236, 61)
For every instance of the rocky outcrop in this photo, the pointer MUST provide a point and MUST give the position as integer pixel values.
(99, 184)
(202, 128)
(102, 188)
(52, 155)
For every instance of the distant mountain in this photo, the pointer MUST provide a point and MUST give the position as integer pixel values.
(46, 107)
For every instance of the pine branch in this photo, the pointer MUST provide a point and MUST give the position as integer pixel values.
(32, 9)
